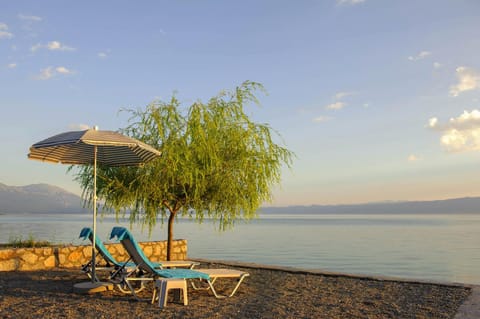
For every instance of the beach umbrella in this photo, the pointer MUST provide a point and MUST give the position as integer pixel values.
(93, 147)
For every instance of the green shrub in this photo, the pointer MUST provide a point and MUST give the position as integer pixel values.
(30, 242)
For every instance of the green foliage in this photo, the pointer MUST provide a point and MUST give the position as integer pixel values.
(215, 162)
(30, 242)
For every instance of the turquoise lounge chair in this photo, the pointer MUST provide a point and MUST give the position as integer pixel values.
(144, 265)
(111, 263)
(120, 269)
(145, 270)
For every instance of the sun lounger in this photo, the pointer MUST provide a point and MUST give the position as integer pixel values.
(143, 263)
(120, 269)
(145, 270)
(216, 273)
(111, 264)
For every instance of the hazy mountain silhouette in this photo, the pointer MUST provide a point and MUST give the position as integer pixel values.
(44, 198)
(467, 205)
(38, 198)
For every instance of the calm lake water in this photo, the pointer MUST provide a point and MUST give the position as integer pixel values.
(429, 247)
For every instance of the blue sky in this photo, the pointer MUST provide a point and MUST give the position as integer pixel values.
(378, 99)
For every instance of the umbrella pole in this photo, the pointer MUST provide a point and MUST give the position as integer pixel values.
(94, 275)
(94, 285)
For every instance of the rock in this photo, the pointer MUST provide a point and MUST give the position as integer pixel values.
(29, 258)
(74, 256)
(49, 262)
(8, 265)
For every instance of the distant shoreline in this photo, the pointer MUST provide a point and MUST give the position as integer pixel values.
(266, 213)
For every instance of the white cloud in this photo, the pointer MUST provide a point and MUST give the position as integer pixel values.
(322, 119)
(29, 18)
(437, 65)
(432, 123)
(338, 104)
(467, 120)
(421, 55)
(335, 106)
(349, 2)
(461, 133)
(468, 79)
(52, 46)
(4, 33)
(46, 73)
(102, 55)
(11, 65)
(50, 72)
(341, 95)
(63, 70)
(460, 141)
(55, 45)
(413, 158)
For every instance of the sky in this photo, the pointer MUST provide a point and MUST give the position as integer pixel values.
(379, 100)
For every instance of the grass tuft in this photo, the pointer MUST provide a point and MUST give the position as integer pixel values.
(30, 242)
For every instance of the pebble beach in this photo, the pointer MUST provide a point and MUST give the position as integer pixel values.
(267, 293)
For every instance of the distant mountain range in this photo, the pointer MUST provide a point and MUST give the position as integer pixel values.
(467, 205)
(44, 198)
(39, 198)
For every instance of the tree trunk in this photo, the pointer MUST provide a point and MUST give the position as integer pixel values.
(171, 219)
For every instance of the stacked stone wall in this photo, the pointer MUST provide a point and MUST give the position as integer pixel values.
(24, 259)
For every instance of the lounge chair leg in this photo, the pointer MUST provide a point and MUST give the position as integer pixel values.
(238, 285)
(218, 296)
(154, 294)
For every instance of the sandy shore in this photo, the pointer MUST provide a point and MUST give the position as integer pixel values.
(267, 293)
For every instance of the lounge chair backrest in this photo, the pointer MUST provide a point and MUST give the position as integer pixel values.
(133, 249)
(88, 233)
(139, 258)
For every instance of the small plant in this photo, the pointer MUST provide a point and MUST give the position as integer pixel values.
(30, 242)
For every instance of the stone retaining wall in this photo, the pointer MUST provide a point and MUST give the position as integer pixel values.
(76, 256)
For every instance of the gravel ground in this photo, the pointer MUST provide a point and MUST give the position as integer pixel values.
(267, 293)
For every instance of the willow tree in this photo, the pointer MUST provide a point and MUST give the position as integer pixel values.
(215, 162)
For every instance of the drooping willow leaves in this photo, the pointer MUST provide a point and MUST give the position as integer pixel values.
(216, 162)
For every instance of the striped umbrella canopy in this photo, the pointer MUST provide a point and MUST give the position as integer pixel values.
(77, 147)
(93, 147)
